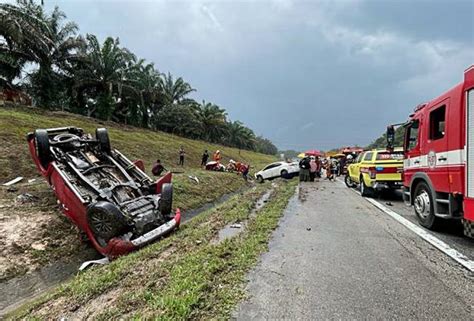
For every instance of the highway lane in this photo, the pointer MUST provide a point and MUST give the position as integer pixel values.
(336, 256)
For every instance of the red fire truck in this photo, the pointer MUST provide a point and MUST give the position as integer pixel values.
(439, 157)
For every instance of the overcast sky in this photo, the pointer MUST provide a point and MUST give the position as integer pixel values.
(306, 74)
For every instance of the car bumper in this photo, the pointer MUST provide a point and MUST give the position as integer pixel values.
(387, 185)
(117, 247)
(158, 232)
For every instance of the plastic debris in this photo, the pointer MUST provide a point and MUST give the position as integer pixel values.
(102, 261)
(13, 181)
(31, 180)
(26, 198)
(236, 225)
(194, 178)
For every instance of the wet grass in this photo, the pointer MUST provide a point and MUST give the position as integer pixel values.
(135, 143)
(185, 276)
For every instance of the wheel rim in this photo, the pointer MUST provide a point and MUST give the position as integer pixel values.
(422, 204)
(101, 223)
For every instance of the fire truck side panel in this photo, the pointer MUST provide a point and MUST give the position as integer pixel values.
(469, 151)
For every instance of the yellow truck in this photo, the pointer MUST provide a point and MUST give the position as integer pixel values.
(376, 170)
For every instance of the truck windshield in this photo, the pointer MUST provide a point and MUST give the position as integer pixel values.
(389, 156)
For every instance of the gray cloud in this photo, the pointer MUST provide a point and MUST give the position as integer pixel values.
(314, 74)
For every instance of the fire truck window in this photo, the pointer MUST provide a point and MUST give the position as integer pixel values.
(368, 156)
(437, 123)
(413, 134)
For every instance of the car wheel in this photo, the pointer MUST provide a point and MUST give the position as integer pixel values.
(284, 173)
(349, 182)
(42, 147)
(260, 179)
(106, 220)
(166, 199)
(102, 136)
(424, 206)
(364, 189)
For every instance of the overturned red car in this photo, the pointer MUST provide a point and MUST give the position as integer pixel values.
(106, 195)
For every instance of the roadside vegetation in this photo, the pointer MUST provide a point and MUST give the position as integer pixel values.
(43, 54)
(34, 233)
(189, 275)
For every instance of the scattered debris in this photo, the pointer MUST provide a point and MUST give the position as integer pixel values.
(39, 246)
(308, 229)
(194, 178)
(236, 225)
(198, 242)
(12, 189)
(102, 261)
(389, 203)
(31, 180)
(26, 198)
(13, 181)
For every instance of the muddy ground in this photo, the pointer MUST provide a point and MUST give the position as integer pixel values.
(33, 232)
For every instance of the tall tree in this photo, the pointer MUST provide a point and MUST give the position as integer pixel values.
(213, 119)
(174, 92)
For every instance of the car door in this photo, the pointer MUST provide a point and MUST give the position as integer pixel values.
(354, 169)
(275, 171)
(436, 152)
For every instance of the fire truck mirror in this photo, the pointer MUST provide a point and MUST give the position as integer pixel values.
(390, 137)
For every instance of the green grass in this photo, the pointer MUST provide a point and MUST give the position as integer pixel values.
(185, 276)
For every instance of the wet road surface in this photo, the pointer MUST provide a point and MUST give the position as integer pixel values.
(336, 256)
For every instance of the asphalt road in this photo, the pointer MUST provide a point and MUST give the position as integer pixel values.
(336, 256)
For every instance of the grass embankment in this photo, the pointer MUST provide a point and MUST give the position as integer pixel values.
(185, 276)
(33, 234)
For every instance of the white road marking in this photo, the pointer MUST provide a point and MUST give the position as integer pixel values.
(428, 237)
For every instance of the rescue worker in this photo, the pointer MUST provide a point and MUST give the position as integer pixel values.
(217, 156)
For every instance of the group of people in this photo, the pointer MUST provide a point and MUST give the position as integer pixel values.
(312, 167)
(239, 167)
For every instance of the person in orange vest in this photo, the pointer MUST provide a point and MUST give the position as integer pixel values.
(217, 156)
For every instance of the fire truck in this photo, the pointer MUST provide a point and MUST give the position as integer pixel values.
(438, 175)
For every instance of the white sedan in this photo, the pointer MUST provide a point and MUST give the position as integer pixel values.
(278, 169)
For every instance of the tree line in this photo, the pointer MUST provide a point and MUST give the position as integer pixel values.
(43, 54)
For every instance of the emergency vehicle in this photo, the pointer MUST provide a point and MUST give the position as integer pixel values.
(439, 157)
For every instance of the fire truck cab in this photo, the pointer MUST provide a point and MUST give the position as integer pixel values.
(439, 157)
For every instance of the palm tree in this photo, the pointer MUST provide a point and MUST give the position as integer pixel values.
(213, 119)
(32, 35)
(174, 92)
(240, 136)
(102, 76)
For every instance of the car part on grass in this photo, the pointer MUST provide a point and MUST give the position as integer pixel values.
(109, 197)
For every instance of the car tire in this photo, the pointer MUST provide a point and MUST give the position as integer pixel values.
(284, 173)
(349, 182)
(365, 191)
(424, 207)
(106, 220)
(260, 179)
(42, 147)
(102, 136)
(166, 199)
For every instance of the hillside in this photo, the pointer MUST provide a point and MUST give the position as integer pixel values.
(35, 233)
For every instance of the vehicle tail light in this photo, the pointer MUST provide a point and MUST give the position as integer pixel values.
(372, 172)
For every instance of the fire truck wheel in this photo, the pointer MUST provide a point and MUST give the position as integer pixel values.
(424, 206)
(365, 191)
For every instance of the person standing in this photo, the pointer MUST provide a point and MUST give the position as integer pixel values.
(205, 157)
(304, 169)
(313, 167)
(217, 156)
(181, 156)
(244, 169)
